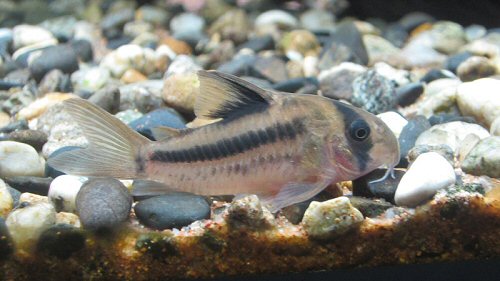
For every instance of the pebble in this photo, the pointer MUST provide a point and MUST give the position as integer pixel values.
(480, 99)
(61, 241)
(180, 91)
(300, 41)
(186, 24)
(142, 96)
(174, 210)
(115, 20)
(429, 173)
(451, 134)
(409, 135)
(16, 196)
(39, 106)
(399, 77)
(182, 64)
(380, 49)
(293, 85)
(129, 57)
(4, 119)
(329, 219)
(447, 37)
(442, 149)
(36, 139)
(233, 25)
(484, 158)
(55, 81)
(394, 121)
(132, 76)
(258, 43)
(6, 245)
(68, 218)
(248, 213)
(475, 68)
(270, 68)
(317, 20)
(35, 185)
(364, 186)
(453, 61)
(474, 32)
(436, 74)
(63, 191)
(30, 198)
(83, 49)
(152, 14)
(90, 79)
(409, 93)
(467, 144)
(370, 208)
(396, 34)
(27, 224)
(25, 35)
(439, 97)
(495, 127)
(160, 117)
(279, 18)
(442, 118)
(61, 57)
(336, 82)
(103, 203)
(107, 98)
(6, 200)
(373, 92)
(19, 159)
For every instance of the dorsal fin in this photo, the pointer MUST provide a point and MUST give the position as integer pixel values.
(164, 133)
(223, 95)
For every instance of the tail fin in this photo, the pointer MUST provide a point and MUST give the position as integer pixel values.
(113, 147)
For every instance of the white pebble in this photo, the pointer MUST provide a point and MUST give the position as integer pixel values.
(19, 159)
(63, 191)
(394, 121)
(27, 224)
(6, 202)
(429, 173)
(480, 99)
(276, 17)
(331, 218)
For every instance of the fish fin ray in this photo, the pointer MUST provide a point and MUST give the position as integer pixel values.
(164, 133)
(113, 147)
(293, 193)
(151, 189)
(222, 95)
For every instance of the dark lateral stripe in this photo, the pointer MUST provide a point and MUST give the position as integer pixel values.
(232, 146)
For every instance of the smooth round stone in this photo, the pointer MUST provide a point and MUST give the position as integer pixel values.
(116, 19)
(39, 106)
(474, 32)
(174, 210)
(418, 52)
(128, 115)
(63, 191)
(182, 64)
(379, 49)
(6, 200)
(396, 34)
(480, 99)
(61, 27)
(144, 96)
(301, 41)
(394, 121)
(35, 185)
(27, 224)
(370, 208)
(317, 20)
(25, 54)
(16, 196)
(409, 135)
(90, 79)
(276, 17)
(347, 40)
(429, 173)
(324, 220)
(83, 49)
(49, 170)
(446, 118)
(233, 25)
(454, 61)
(484, 158)
(373, 92)
(239, 65)
(475, 68)
(187, 23)
(117, 42)
(6, 244)
(107, 98)
(271, 68)
(61, 57)
(129, 57)
(258, 44)
(19, 159)
(409, 93)
(160, 117)
(451, 134)
(495, 127)
(366, 187)
(152, 14)
(293, 85)
(61, 241)
(180, 91)
(443, 150)
(36, 139)
(136, 28)
(249, 213)
(414, 19)
(448, 37)
(55, 81)
(25, 35)
(400, 77)
(336, 82)
(103, 203)
(436, 74)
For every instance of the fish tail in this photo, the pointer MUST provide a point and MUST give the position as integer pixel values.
(113, 150)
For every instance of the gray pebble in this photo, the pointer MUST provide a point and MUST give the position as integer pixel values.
(61, 57)
(103, 203)
(409, 135)
(34, 138)
(484, 158)
(364, 186)
(373, 92)
(107, 98)
(30, 184)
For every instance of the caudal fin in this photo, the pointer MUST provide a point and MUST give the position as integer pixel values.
(113, 147)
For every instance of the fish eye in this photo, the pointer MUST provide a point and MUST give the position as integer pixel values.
(359, 130)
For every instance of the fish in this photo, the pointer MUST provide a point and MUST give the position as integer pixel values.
(283, 147)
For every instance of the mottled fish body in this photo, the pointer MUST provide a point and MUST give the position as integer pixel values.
(283, 147)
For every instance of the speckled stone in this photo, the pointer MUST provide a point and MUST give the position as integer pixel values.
(484, 158)
(248, 213)
(373, 92)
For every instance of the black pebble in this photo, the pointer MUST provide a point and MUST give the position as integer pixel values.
(107, 98)
(16, 195)
(29, 184)
(13, 126)
(160, 117)
(435, 74)
(409, 93)
(409, 135)
(446, 118)
(293, 85)
(384, 189)
(61, 57)
(239, 66)
(36, 139)
(173, 210)
(454, 61)
(83, 49)
(6, 245)
(61, 241)
(49, 170)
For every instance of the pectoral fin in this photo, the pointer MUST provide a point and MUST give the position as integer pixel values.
(293, 193)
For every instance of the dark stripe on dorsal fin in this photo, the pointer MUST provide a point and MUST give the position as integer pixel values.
(231, 146)
(222, 95)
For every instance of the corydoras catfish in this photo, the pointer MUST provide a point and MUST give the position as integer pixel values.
(283, 147)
